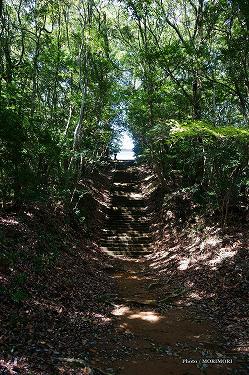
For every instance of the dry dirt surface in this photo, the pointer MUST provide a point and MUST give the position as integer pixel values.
(163, 333)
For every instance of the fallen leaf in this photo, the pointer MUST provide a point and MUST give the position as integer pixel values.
(87, 371)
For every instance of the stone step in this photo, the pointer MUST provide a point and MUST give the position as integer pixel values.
(120, 242)
(131, 254)
(123, 197)
(128, 229)
(126, 216)
(122, 171)
(129, 177)
(130, 210)
(132, 194)
(128, 203)
(124, 228)
(127, 247)
(127, 222)
(124, 165)
(131, 232)
(127, 232)
(128, 219)
(125, 188)
(127, 192)
(131, 203)
(126, 240)
(124, 184)
(130, 206)
(112, 234)
(125, 237)
(131, 170)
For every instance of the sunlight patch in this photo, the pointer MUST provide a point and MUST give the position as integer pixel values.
(120, 310)
(29, 214)
(183, 264)
(210, 242)
(9, 221)
(224, 254)
(103, 318)
(195, 295)
(149, 316)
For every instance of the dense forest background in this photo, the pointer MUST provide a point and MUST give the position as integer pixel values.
(113, 267)
(175, 73)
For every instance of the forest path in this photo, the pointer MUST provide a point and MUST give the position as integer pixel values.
(154, 332)
(159, 335)
(127, 230)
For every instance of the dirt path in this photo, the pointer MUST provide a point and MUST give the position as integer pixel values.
(159, 337)
(153, 333)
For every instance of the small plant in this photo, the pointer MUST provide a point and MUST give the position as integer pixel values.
(20, 279)
(38, 263)
(18, 295)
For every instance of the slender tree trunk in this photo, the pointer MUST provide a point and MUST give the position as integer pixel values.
(197, 110)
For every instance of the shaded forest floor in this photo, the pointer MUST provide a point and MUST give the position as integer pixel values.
(52, 283)
(68, 308)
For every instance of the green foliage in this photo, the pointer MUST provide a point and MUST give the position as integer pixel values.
(20, 279)
(56, 94)
(208, 162)
(207, 131)
(17, 291)
(70, 70)
(18, 295)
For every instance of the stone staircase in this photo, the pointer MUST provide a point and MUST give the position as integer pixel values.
(127, 231)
